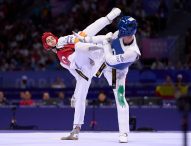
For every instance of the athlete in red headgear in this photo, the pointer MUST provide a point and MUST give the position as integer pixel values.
(49, 40)
(82, 60)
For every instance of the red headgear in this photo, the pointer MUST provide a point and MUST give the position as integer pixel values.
(44, 36)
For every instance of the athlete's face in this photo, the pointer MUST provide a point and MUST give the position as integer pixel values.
(127, 39)
(51, 41)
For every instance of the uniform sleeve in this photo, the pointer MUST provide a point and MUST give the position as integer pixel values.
(61, 42)
(127, 56)
(69, 39)
(86, 47)
(95, 39)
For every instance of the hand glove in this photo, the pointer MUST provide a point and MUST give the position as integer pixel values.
(108, 36)
(84, 39)
(81, 38)
(71, 39)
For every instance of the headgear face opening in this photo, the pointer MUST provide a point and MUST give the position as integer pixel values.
(127, 26)
(44, 36)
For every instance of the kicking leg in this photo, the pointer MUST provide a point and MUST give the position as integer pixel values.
(99, 24)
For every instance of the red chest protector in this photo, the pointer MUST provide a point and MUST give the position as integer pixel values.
(64, 53)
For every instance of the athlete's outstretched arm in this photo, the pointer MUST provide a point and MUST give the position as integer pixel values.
(127, 56)
(94, 39)
(86, 47)
(97, 39)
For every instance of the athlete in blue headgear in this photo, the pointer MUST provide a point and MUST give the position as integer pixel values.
(123, 50)
(120, 51)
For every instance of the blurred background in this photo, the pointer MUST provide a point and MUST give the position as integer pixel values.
(35, 90)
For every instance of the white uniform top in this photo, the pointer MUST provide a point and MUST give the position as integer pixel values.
(69, 39)
(133, 46)
(86, 57)
(122, 53)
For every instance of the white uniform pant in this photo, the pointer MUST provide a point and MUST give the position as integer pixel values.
(80, 93)
(85, 64)
(119, 92)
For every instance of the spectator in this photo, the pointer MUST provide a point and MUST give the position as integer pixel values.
(46, 100)
(102, 100)
(167, 89)
(168, 81)
(181, 87)
(22, 95)
(58, 83)
(179, 81)
(170, 65)
(62, 99)
(3, 100)
(17, 102)
(27, 99)
(157, 65)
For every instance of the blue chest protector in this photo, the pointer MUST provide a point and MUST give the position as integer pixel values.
(117, 49)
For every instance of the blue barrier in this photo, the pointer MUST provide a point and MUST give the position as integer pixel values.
(52, 118)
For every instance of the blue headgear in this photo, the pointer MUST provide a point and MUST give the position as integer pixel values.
(127, 26)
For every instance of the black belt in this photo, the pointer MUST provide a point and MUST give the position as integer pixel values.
(113, 74)
(82, 75)
(100, 70)
(113, 78)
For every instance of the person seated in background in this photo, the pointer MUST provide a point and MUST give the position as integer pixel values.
(58, 83)
(168, 81)
(102, 100)
(157, 64)
(180, 87)
(3, 100)
(26, 99)
(179, 80)
(170, 65)
(167, 89)
(46, 100)
(62, 99)
(16, 102)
